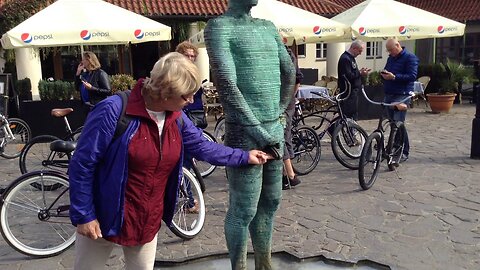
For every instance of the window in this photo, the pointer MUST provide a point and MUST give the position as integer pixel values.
(374, 49)
(321, 51)
(301, 52)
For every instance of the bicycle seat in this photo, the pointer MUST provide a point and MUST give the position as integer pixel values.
(61, 112)
(63, 146)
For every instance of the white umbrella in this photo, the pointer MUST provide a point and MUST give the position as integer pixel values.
(380, 19)
(85, 22)
(293, 23)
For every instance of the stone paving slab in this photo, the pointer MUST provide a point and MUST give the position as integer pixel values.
(426, 219)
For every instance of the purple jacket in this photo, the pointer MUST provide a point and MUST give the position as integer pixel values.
(98, 170)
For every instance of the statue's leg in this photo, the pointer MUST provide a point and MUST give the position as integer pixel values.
(244, 192)
(262, 225)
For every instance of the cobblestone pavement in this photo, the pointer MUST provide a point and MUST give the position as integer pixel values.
(427, 218)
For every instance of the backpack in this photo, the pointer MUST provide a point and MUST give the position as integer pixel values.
(124, 120)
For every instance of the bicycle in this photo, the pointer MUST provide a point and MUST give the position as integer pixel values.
(306, 145)
(375, 151)
(37, 155)
(204, 167)
(34, 211)
(347, 137)
(14, 134)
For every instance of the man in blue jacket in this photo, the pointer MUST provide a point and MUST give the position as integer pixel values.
(399, 76)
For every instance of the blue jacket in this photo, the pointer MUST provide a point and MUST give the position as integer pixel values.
(404, 66)
(98, 170)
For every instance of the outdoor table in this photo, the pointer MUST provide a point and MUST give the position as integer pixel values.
(305, 91)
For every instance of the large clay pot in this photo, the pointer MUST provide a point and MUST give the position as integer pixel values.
(441, 103)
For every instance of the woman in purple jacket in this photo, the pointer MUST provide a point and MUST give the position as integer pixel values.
(122, 188)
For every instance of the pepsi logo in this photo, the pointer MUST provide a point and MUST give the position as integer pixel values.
(85, 35)
(362, 31)
(26, 37)
(317, 30)
(402, 30)
(139, 34)
(441, 29)
(284, 39)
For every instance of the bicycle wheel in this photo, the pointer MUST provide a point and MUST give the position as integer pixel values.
(185, 224)
(36, 156)
(347, 143)
(395, 144)
(12, 147)
(219, 131)
(35, 221)
(370, 160)
(306, 148)
(204, 167)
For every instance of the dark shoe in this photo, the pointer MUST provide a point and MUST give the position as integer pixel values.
(295, 181)
(288, 184)
(403, 158)
(285, 183)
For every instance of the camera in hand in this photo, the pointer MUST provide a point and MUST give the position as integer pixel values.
(384, 72)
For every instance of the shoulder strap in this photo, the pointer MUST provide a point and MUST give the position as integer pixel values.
(123, 119)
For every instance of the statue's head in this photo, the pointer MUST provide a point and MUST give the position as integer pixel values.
(243, 3)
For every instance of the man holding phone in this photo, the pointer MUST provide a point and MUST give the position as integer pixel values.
(348, 70)
(399, 75)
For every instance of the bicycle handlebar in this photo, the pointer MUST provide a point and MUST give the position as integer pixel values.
(337, 97)
(411, 94)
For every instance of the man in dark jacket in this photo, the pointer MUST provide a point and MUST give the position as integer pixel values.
(348, 70)
(289, 178)
(399, 76)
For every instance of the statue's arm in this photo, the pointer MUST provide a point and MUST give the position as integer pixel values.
(222, 62)
(287, 73)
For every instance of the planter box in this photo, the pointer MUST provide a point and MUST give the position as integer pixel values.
(37, 114)
(367, 110)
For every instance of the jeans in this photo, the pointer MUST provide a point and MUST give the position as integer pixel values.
(397, 115)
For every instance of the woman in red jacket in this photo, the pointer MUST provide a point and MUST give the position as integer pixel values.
(122, 188)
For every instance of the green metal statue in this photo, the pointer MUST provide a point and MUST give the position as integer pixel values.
(255, 79)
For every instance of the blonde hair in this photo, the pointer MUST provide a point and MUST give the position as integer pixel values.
(92, 59)
(173, 75)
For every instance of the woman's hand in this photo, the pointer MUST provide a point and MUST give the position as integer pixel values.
(90, 229)
(87, 85)
(80, 68)
(258, 157)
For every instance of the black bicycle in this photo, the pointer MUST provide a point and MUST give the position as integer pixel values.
(375, 150)
(37, 154)
(34, 209)
(347, 137)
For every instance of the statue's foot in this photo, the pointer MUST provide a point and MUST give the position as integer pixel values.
(263, 261)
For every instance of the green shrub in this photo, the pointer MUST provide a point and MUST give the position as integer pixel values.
(374, 79)
(120, 82)
(24, 88)
(56, 90)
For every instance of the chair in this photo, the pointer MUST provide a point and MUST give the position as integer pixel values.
(332, 88)
(321, 83)
(211, 103)
(420, 91)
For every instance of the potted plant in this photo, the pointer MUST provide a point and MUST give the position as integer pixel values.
(120, 82)
(456, 74)
(373, 86)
